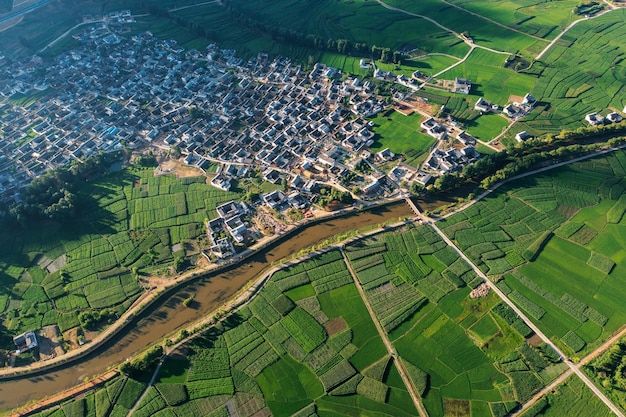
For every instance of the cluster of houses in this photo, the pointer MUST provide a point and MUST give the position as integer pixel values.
(595, 119)
(229, 222)
(213, 106)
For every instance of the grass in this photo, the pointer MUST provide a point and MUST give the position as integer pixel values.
(481, 30)
(489, 78)
(537, 18)
(575, 277)
(402, 135)
(486, 127)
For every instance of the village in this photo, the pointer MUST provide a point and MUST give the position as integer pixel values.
(309, 131)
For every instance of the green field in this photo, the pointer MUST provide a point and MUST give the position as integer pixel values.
(127, 223)
(402, 135)
(535, 17)
(468, 351)
(571, 398)
(583, 73)
(489, 79)
(307, 343)
(607, 372)
(560, 221)
(482, 31)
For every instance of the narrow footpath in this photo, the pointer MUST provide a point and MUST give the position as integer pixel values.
(415, 396)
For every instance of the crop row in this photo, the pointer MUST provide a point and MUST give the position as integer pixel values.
(330, 282)
(210, 387)
(567, 303)
(305, 329)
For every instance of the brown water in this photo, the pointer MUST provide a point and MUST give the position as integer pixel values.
(167, 316)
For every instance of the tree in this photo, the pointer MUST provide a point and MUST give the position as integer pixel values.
(175, 151)
(179, 263)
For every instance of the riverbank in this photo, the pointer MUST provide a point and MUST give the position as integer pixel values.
(241, 299)
(147, 299)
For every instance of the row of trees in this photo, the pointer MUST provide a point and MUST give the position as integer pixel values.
(611, 369)
(280, 33)
(499, 166)
(141, 364)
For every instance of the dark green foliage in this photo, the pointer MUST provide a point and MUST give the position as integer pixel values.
(532, 357)
(377, 370)
(130, 393)
(537, 408)
(337, 375)
(372, 389)
(573, 341)
(348, 387)
(418, 377)
(525, 385)
(141, 364)
(173, 394)
(283, 305)
(498, 409)
(533, 250)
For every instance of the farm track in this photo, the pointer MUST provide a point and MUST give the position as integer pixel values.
(574, 368)
(193, 5)
(415, 396)
(447, 29)
(493, 21)
(594, 354)
(571, 25)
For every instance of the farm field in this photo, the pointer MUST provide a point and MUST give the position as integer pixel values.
(469, 349)
(86, 272)
(556, 241)
(357, 21)
(307, 344)
(482, 31)
(582, 74)
(489, 78)
(402, 135)
(305, 341)
(571, 398)
(538, 18)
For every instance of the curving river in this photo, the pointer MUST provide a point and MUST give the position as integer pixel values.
(168, 315)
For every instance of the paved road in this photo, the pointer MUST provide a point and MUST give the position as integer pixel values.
(530, 324)
(415, 396)
(22, 12)
(67, 32)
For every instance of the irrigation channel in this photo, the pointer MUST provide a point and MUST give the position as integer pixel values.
(167, 315)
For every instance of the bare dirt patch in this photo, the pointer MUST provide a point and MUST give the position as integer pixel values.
(71, 338)
(534, 340)
(335, 325)
(57, 264)
(49, 346)
(177, 168)
(515, 99)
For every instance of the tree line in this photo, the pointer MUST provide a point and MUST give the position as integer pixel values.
(279, 33)
(530, 154)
